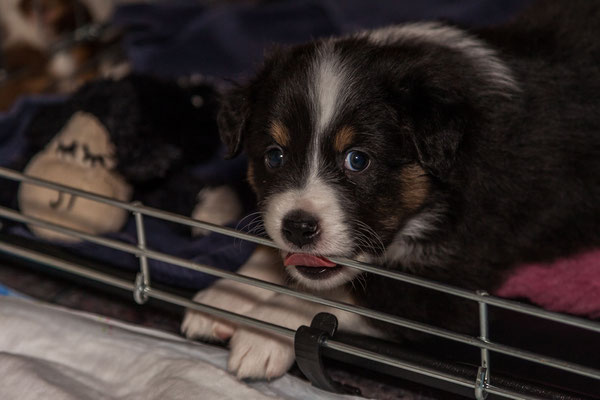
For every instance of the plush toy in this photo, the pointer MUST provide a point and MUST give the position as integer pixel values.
(80, 155)
(135, 138)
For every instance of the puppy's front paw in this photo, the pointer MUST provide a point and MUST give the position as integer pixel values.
(259, 356)
(225, 295)
(197, 325)
(232, 296)
(262, 355)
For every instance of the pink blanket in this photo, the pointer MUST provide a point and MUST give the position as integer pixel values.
(570, 285)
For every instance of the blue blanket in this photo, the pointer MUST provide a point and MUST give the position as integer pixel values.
(170, 39)
(182, 37)
(6, 291)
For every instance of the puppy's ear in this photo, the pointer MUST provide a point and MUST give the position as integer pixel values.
(235, 110)
(438, 132)
(441, 117)
(232, 117)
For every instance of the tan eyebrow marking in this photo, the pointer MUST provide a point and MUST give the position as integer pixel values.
(416, 186)
(280, 133)
(343, 139)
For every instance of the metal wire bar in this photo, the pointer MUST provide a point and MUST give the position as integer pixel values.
(124, 284)
(143, 279)
(133, 207)
(357, 351)
(483, 372)
(171, 217)
(65, 266)
(484, 333)
(244, 320)
(137, 251)
(526, 355)
(494, 301)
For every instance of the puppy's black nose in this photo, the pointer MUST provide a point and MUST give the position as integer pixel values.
(300, 228)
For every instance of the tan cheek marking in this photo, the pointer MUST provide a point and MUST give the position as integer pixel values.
(416, 186)
(389, 220)
(280, 133)
(250, 176)
(343, 139)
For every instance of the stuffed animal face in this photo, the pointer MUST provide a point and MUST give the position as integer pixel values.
(81, 156)
(84, 141)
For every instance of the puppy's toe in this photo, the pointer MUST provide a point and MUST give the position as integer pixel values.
(259, 356)
(199, 326)
(225, 295)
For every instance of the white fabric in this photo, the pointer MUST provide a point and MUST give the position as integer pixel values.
(47, 352)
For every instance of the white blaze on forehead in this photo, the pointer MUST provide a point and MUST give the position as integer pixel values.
(477, 51)
(327, 93)
(328, 90)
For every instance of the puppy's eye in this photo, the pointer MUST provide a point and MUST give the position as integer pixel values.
(274, 157)
(356, 161)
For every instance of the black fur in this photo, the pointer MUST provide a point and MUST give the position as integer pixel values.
(516, 172)
(152, 123)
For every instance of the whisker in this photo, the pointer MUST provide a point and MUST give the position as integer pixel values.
(362, 281)
(376, 244)
(256, 221)
(254, 214)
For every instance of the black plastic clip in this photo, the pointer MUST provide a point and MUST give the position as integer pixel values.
(307, 345)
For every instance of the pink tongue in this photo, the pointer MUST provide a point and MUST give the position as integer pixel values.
(307, 260)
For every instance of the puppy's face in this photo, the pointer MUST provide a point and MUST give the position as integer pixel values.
(348, 141)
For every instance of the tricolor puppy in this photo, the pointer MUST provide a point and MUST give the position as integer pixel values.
(424, 148)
